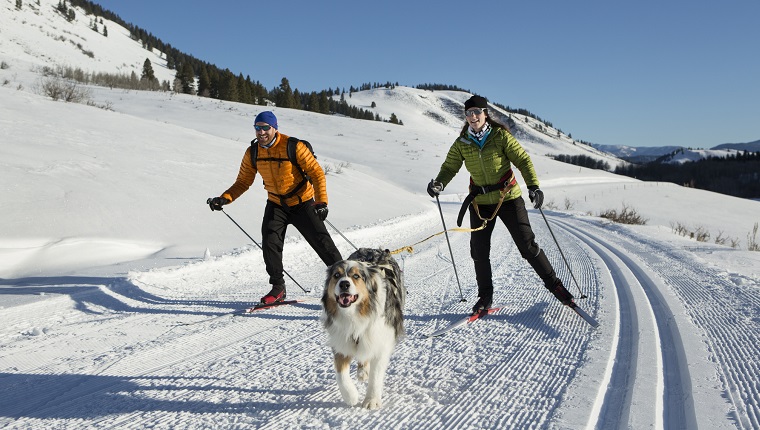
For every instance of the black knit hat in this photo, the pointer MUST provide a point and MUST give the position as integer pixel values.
(476, 101)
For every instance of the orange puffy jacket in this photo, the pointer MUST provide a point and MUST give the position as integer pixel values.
(281, 177)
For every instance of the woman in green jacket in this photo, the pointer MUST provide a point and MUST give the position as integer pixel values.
(488, 151)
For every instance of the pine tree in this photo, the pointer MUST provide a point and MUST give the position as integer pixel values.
(228, 89)
(285, 97)
(186, 78)
(313, 104)
(244, 91)
(204, 82)
(250, 90)
(147, 72)
(232, 88)
(216, 82)
(297, 99)
(18, 4)
(324, 103)
(105, 31)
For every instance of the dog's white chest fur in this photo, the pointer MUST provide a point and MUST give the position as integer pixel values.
(361, 338)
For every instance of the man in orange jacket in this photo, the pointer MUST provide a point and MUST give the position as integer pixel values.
(291, 199)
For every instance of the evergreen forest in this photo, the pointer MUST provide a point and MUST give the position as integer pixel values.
(736, 174)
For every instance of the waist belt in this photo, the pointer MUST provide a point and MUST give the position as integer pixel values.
(505, 184)
(293, 192)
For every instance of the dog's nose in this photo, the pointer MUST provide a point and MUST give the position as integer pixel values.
(344, 285)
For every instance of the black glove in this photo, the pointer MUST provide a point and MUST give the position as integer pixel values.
(216, 203)
(536, 196)
(321, 210)
(434, 188)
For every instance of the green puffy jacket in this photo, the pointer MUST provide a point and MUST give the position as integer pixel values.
(488, 164)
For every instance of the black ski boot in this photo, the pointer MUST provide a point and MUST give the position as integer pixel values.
(483, 304)
(561, 293)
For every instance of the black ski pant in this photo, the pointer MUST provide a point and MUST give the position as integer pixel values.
(514, 216)
(306, 221)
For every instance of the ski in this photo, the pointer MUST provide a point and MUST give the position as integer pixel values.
(460, 322)
(261, 306)
(249, 311)
(586, 317)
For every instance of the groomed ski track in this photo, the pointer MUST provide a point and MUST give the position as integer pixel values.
(160, 349)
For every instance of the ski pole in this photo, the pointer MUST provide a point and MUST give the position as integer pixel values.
(583, 296)
(450, 251)
(341, 234)
(257, 244)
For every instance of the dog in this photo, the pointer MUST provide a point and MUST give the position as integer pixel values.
(363, 303)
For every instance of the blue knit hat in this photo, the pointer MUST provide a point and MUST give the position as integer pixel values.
(267, 117)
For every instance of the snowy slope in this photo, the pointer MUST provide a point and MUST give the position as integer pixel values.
(114, 315)
(37, 36)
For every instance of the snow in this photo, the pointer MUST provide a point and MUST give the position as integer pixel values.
(118, 282)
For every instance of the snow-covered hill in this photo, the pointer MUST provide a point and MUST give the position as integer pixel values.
(684, 155)
(38, 36)
(749, 146)
(118, 282)
(423, 108)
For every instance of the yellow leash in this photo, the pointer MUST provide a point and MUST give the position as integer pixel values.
(410, 248)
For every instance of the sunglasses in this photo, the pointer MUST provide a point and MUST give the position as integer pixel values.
(473, 112)
(262, 127)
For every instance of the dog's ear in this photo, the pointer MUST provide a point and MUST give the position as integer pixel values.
(372, 278)
(331, 268)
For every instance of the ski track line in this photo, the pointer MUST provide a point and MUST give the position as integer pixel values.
(513, 369)
(731, 329)
(613, 405)
(674, 405)
(146, 362)
(319, 397)
(266, 349)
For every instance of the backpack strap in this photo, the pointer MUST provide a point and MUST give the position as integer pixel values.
(254, 152)
(292, 146)
(291, 151)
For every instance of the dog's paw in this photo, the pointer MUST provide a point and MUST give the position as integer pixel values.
(372, 403)
(350, 395)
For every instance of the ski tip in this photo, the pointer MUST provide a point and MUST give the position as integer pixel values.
(584, 315)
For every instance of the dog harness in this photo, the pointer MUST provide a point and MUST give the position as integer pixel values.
(504, 185)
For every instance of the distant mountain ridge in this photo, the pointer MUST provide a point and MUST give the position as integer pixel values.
(750, 146)
(648, 154)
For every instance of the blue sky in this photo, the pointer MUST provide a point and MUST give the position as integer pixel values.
(644, 73)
